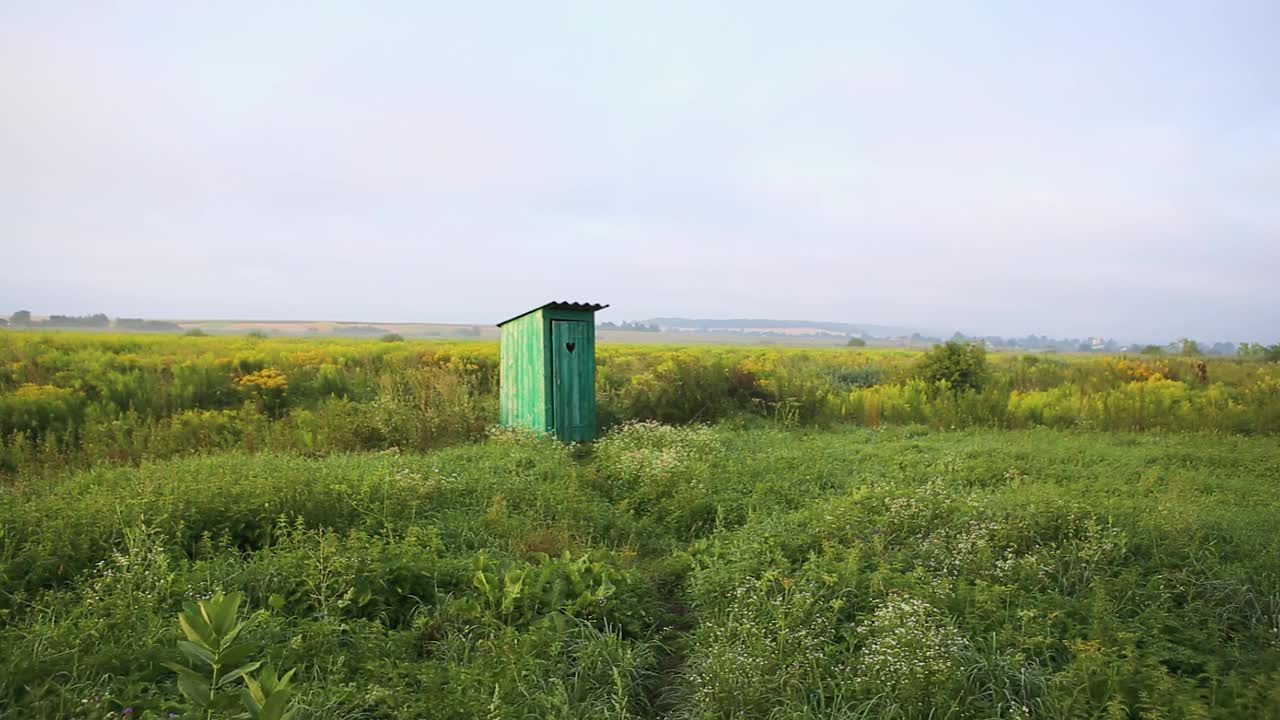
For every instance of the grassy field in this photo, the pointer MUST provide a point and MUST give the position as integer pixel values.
(672, 572)
(812, 534)
(71, 400)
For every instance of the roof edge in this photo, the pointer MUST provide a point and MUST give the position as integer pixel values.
(559, 305)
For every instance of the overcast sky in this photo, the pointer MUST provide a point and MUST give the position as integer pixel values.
(999, 168)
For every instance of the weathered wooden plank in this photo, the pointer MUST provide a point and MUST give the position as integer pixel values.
(523, 393)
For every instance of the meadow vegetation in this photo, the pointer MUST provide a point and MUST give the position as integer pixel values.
(192, 526)
(70, 400)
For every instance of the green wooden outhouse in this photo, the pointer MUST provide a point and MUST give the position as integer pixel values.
(549, 370)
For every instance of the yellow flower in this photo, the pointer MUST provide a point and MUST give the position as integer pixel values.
(264, 380)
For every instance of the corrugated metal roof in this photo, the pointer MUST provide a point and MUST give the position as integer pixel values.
(559, 305)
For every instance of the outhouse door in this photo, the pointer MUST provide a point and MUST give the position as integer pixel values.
(573, 372)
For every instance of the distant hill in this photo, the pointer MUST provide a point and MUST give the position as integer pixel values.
(780, 327)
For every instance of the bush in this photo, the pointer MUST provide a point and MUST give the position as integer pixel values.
(960, 366)
(658, 471)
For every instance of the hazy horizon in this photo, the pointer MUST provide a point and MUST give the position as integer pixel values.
(1069, 170)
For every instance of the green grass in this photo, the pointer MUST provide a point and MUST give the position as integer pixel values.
(671, 572)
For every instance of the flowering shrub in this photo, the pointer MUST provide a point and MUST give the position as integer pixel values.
(649, 459)
(268, 387)
(37, 409)
(911, 657)
(776, 636)
(525, 438)
(134, 580)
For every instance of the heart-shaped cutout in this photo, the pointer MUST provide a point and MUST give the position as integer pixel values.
(569, 346)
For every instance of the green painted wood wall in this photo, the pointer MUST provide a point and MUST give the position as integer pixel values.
(548, 373)
(525, 396)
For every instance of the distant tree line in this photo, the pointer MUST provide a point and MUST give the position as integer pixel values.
(629, 326)
(360, 330)
(78, 321)
(147, 325)
(1258, 351)
(22, 319)
(1182, 346)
